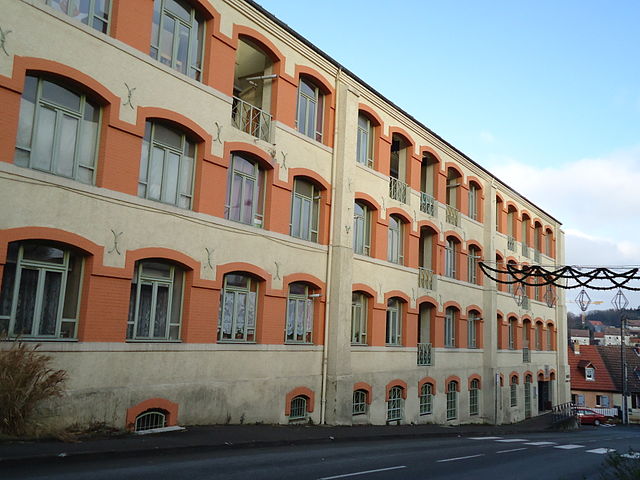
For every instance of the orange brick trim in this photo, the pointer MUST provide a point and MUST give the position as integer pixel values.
(427, 149)
(451, 233)
(452, 378)
(296, 392)
(157, 252)
(395, 383)
(514, 374)
(361, 287)
(453, 304)
(403, 133)
(552, 374)
(265, 160)
(396, 293)
(475, 376)
(367, 388)
(170, 409)
(306, 278)
(371, 114)
(399, 212)
(50, 234)
(369, 200)
(427, 380)
(472, 308)
(222, 270)
(427, 299)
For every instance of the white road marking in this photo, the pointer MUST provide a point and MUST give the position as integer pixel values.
(364, 472)
(512, 440)
(460, 458)
(540, 444)
(484, 438)
(601, 451)
(511, 450)
(569, 446)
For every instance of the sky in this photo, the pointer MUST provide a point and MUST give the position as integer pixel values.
(544, 94)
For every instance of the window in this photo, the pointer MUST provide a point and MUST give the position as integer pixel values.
(539, 336)
(238, 308)
(472, 330)
(450, 258)
(177, 36)
(155, 305)
(245, 192)
(526, 326)
(394, 329)
(590, 373)
(395, 404)
(57, 130)
(472, 264)
(395, 240)
(94, 13)
(514, 390)
(359, 402)
(449, 327)
(365, 141)
(549, 337)
(40, 293)
(512, 333)
(580, 401)
(473, 201)
(310, 110)
(426, 399)
(166, 166)
(361, 229)
(298, 408)
(474, 397)
(150, 420)
(358, 318)
(299, 314)
(602, 401)
(548, 240)
(305, 208)
(452, 400)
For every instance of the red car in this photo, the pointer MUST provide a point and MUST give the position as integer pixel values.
(586, 416)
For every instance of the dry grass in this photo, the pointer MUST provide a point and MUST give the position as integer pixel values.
(26, 379)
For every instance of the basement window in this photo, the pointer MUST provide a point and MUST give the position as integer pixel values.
(151, 419)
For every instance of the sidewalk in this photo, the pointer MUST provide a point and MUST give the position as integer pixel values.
(215, 437)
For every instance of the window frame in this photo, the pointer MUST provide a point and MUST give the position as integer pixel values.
(450, 258)
(395, 240)
(312, 128)
(291, 332)
(450, 327)
(393, 330)
(298, 408)
(90, 15)
(426, 399)
(473, 258)
(249, 324)
(590, 374)
(258, 179)
(474, 397)
(473, 201)
(359, 405)
(310, 204)
(452, 400)
(513, 392)
(361, 229)
(395, 404)
(359, 311)
(365, 137)
(472, 330)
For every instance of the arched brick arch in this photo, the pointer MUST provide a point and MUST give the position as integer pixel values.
(306, 278)
(473, 377)
(299, 391)
(516, 375)
(367, 388)
(371, 114)
(361, 287)
(186, 262)
(170, 408)
(51, 234)
(222, 270)
(396, 293)
(396, 383)
(427, 380)
(452, 378)
(368, 200)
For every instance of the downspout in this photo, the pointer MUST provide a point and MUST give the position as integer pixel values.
(325, 349)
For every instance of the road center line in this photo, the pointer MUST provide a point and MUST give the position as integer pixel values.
(364, 472)
(511, 450)
(460, 458)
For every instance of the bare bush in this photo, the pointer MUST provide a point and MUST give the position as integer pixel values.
(26, 379)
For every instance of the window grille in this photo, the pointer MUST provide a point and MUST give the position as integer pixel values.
(426, 399)
(150, 419)
(359, 402)
(298, 408)
(514, 391)
(358, 319)
(394, 404)
(473, 397)
(452, 400)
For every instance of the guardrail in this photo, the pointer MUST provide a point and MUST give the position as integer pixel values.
(398, 189)
(426, 278)
(251, 119)
(425, 354)
(453, 216)
(427, 204)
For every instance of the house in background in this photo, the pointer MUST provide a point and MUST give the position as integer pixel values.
(591, 384)
(596, 325)
(612, 358)
(579, 335)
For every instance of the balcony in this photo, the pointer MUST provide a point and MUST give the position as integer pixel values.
(536, 256)
(251, 119)
(426, 278)
(511, 243)
(424, 354)
(427, 204)
(525, 250)
(398, 189)
(453, 216)
(525, 303)
(526, 355)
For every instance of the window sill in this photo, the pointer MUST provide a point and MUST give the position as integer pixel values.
(39, 339)
(151, 340)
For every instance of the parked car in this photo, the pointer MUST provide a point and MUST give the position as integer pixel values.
(586, 416)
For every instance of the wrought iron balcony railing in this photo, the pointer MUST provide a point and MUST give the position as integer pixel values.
(453, 216)
(426, 278)
(511, 243)
(251, 119)
(536, 256)
(525, 250)
(425, 354)
(427, 204)
(526, 355)
(398, 189)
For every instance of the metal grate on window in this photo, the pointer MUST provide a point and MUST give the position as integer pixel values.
(298, 408)
(394, 405)
(150, 419)
(359, 402)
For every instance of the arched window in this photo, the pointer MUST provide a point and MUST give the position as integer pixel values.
(155, 304)
(472, 329)
(395, 404)
(499, 213)
(450, 254)
(526, 223)
(549, 339)
(548, 240)
(474, 387)
(511, 287)
(305, 210)
(299, 328)
(474, 200)
(394, 322)
(428, 181)
(238, 307)
(454, 180)
(298, 408)
(395, 240)
(426, 399)
(512, 219)
(400, 157)
(473, 259)
(526, 333)
(361, 229)
(359, 307)
(359, 402)
(177, 36)
(40, 294)
(365, 148)
(167, 165)
(513, 326)
(94, 13)
(450, 327)
(57, 130)
(539, 336)
(310, 109)
(513, 389)
(452, 400)
(245, 191)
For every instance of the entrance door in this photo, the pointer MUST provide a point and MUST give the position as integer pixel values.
(543, 396)
(527, 398)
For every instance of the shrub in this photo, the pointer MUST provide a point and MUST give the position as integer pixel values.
(26, 379)
(621, 467)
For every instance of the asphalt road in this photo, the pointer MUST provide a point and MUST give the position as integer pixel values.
(540, 456)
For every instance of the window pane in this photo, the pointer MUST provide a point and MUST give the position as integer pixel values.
(154, 182)
(291, 318)
(155, 27)
(302, 115)
(295, 216)
(50, 301)
(182, 55)
(59, 95)
(27, 109)
(307, 88)
(234, 201)
(156, 269)
(72, 289)
(305, 218)
(144, 310)
(66, 146)
(43, 253)
(227, 314)
(26, 302)
(179, 8)
(311, 119)
(88, 138)
(43, 142)
(166, 41)
(101, 8)
(172, 166)
(162, 310)
(6, 294)
(167, 136)
(186, 176)
(247, 202)
(241, 301)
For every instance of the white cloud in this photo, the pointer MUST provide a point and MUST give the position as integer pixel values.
(487, 137)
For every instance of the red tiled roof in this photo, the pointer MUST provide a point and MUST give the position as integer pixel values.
(595, 322)
(598, 334)
(578, 332)
(589, 354)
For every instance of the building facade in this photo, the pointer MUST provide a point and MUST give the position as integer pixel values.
(206, 218)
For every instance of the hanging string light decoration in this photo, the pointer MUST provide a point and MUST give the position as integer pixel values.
(566, 276)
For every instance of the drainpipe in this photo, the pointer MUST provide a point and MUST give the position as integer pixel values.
(325, 349)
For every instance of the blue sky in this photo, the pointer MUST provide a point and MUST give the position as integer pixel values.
(532, 91)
